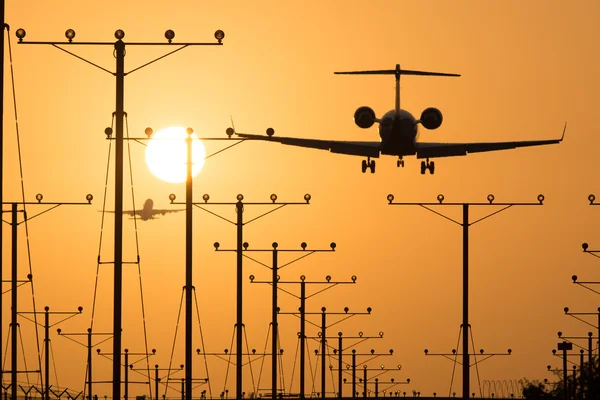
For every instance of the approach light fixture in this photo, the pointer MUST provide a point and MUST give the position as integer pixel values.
(541, 198)
(148, 132)
(574, 277)
(270, 132)
(273, 197)
(307, 197)
(70, 35)
(303, 245)
(240, 197)
(119, 34)
(205, 197)
(89, 198)
(584, 246)
(229, 132)
(21, 34)
(440, 198)
(591, 197)
(39, 197)
(275, 245)
(172, 197)
(490, 198)
(332, 245)
(170, 35)
(219, 35)
(217, 245)
(108, 132)
(390, 198)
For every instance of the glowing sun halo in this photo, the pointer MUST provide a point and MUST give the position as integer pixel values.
(166, 154)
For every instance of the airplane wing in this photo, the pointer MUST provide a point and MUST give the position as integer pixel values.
(131, 213)
(163, 212)
(435, 150)
(366, 149)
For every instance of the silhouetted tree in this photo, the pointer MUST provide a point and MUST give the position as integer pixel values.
(536, 390)
(585, 385)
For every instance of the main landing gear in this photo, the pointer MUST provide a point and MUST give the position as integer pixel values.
(368, 163)
(400, 162)
(426, 165)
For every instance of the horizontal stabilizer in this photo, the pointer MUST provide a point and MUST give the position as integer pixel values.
(396, 72)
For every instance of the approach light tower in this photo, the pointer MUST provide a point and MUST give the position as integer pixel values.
(465, 229)
(14, 210)
(119, 53)
(274, 205)
(275, 267)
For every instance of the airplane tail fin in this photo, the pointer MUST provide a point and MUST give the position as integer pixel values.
(397, 72)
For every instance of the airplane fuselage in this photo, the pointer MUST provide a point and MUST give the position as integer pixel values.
(398, 132)
(146, 211)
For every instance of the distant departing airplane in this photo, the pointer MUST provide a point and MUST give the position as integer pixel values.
(147, 212)
(398, 131)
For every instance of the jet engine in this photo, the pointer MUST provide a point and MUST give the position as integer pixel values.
(431, 118)
(364, 117)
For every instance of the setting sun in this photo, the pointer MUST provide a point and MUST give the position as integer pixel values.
(166, 154)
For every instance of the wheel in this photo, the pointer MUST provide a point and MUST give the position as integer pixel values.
(402, 163)
(364, 166)
(431, 167)
(423, 167)
(372, 166)
(398, 163)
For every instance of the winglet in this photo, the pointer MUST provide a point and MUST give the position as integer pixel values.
(563, 134)
(232, 124)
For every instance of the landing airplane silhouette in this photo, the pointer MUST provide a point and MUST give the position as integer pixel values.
(147, 212)
(398, 131)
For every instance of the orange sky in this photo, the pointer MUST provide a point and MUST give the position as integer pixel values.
(527, 67)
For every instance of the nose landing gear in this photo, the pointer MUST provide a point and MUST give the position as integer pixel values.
(400, 162)
(427, 165)
(368, 163)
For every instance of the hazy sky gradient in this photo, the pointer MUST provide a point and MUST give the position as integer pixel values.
(527, 67)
